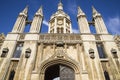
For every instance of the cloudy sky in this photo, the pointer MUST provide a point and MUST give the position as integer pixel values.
(109, 9)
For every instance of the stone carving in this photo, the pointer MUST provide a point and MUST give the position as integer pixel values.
(113, 51)
(4, 52)
(59, 37)
(27, 53)
(2, 37)
(22, 36)
(97, 37)
(117, 40)
(91, 52)
(60, 53)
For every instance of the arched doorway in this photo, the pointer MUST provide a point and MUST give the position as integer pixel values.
(59, 72)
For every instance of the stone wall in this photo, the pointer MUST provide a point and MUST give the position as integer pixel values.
(117, 40)
(2, 38)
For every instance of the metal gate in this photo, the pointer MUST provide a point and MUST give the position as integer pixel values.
(66, 73)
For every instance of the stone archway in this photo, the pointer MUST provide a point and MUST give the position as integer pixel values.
(60, 57)
(71, 64)
(59, 72)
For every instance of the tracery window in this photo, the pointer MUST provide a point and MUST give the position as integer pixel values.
(18, 50)
(101, 50)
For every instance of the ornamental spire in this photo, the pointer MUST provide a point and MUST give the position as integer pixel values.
(60, 5)
(39, 12)
(25, 10)
(79, 10)
(94, 10)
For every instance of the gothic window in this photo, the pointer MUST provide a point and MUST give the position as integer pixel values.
(12, 73)
(106, 75)
(18, 50)
(11, 70)
(105, 70)
(101, 51)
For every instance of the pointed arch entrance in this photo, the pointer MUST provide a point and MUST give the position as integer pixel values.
(59, 72)
(60, 67)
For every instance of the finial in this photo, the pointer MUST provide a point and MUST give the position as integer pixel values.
(79, 10)
(25, 10)
(94, 10)
(60, 5)
(40, 10)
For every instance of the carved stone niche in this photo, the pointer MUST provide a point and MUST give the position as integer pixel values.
(4, 52)
(91, 52)
(114, 51)
(60, 43)
(27, 53)
(60, 53)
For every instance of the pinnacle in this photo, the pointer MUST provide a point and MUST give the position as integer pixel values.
(40, 10)
(94, 10)
(60, 5)
(79, 10)
(25, 10)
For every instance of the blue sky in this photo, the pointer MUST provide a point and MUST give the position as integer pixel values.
(109, 9)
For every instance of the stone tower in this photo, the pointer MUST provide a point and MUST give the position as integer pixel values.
(59, 54)
(60, 22)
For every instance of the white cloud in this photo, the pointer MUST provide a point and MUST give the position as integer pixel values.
(113, 25)
(75, 31)
(45, 22)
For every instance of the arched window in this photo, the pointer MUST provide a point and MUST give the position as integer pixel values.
(101, 51)
(18, 50)
(12, 73)
(61, 30)
(106, 75)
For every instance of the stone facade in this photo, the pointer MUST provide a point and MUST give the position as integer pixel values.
(37, 56)
(117, 40)
(2, 38)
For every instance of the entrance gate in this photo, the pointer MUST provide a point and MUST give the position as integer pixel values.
(59, 72)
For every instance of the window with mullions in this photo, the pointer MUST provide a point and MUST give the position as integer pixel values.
(18, 50)
(101, 51)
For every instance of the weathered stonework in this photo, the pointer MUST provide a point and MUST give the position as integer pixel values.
(2, 38)
(117, 41)
(37, 56)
